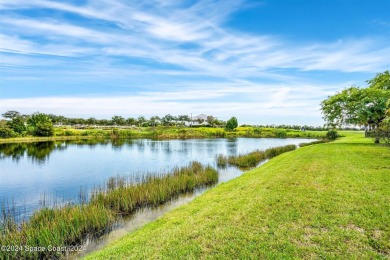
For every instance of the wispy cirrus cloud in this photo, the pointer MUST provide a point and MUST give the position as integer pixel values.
(150, 34)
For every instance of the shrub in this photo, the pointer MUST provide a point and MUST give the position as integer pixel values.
(86, 133)
(231, 123)
(257, 130)
(17, 125)
(332, 134)
(281, 133)
(69, 133)
(6, 132)
(381, 134)
(220, 133)
(44, 129)
(30, 130)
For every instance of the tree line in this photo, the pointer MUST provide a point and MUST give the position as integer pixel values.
(141, 121)
(40, 124)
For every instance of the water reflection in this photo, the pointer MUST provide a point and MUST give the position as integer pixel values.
(38, 152)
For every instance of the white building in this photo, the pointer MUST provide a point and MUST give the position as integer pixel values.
(199, 120)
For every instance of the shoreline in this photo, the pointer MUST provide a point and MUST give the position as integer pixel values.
(167, 134)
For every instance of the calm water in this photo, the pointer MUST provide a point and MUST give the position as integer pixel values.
(58, 171)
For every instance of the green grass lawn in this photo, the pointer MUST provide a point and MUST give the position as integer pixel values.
(327, 200)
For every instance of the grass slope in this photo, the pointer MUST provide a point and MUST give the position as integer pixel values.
(322, 201)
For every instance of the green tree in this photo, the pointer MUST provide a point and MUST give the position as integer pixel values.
(359, 106)
(118, 120)
(17, 122)
(37, 117)
(218, 123)
(131, 121)
(210, 120)
(154, 120)
(200, 120)
(57, 119)
(231, 124)
(141, 121)
(44, 129)
(183, 119)
(387, 119)
(91, 121)
(380, 81)
(5, 130)
(42, 124)
(104, 122)
(167, 120)
(364, 107)
(11, 114)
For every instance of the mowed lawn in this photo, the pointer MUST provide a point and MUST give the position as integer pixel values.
(321, 201)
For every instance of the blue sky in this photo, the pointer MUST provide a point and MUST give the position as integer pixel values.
(266, 62)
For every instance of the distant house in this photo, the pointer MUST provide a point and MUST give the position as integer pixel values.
(199, 120)
(201, 117)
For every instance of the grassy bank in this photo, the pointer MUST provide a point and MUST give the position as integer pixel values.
(68, 225)
(328, 200)
(168, 133)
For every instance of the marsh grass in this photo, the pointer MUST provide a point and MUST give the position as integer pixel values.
(68, 225)
(125, 196)
(252, 159)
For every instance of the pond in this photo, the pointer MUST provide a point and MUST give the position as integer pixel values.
(33, 175)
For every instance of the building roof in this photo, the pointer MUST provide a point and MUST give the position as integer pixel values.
(201, 116)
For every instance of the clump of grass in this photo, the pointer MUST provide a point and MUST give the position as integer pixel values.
(125, 196)
(222, 160)
(70, 224)
(272, 152)
(253, 158)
